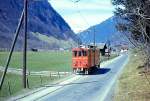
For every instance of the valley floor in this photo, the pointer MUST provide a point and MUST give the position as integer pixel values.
(43, 68)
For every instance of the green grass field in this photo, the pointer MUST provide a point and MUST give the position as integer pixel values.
(39, 61)
(36, 61)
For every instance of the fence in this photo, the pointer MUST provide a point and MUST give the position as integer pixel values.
(4, 49)
(34, 80)
(52, 61)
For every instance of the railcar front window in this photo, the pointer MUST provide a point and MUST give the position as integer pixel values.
(80, 53)
(84, 53)
(75, 53)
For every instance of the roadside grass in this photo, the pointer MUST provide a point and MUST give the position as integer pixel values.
(13, 84)
(105, 58)
(131, 85)
(39, 61)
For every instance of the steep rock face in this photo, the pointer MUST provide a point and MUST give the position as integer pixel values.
(42, 19)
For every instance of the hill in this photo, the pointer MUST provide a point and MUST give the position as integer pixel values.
(104, 32)
(42, 19)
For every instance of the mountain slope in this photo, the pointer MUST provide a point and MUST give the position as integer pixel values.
(105, 31)
(42, 19)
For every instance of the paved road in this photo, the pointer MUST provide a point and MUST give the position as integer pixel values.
(93, 87)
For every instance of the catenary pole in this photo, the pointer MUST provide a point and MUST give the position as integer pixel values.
(25, 44)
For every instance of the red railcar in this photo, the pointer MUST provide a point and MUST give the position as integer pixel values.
(85, 59)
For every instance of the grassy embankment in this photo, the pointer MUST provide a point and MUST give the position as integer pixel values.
(36, 61)
(132, 85)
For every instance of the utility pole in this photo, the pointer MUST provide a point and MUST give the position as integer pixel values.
(22, 18)
(25, 44)
(94, 44)
(94, 36)
(12, 49)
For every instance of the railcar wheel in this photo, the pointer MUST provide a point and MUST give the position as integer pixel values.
(75, 71)
(87, 71)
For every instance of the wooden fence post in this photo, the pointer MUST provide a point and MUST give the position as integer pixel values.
(29, 72)
(50, 75)
(9, 88)
(41, 79)
(58, 74)
(27, 82)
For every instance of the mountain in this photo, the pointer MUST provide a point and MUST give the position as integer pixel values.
(43, 22)
(104, 32)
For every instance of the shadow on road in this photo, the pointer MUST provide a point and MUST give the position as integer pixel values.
(99, 71)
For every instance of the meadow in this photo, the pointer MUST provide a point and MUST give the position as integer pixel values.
(36, 61)
(40, 61)
(44, 61)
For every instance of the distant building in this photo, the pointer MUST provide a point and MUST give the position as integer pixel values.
(61, 49)
(105, 49)
(124, 48)
(108, 51)
(102, 47)
(34, 49)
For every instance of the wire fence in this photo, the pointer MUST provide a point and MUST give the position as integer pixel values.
(44, 67)
(14, 84)
(4, 49)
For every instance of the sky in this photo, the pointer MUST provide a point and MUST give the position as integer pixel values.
(83, 14)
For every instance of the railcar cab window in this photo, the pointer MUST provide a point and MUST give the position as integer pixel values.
(75, 53)
(84, 53)
(79, 53)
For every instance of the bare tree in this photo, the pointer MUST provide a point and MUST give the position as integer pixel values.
(134, 22)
